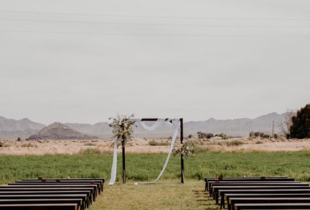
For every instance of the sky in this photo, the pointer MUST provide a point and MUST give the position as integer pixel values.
(85, 61)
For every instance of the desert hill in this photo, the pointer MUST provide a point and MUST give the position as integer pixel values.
(234, 127)
(23, 128)
(58, 131)
(101, 129)
(11, 129)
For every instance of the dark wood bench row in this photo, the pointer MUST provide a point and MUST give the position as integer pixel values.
(266, 200)
(214, 186)
(86, 195)
(255, 195)
(244, 193)
(231, 193)
(245, 179)
(50, 194)
(217, 189)
(76, 181)
(273, 206)
(53, 206)
(83, 198)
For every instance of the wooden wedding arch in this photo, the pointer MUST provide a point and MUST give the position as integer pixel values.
(181, 140)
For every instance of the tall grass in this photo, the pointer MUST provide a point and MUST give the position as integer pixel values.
(144, 167)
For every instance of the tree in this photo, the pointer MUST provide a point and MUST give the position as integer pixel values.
(285, 125)
(209, 135)
(300, 128)
(201, 135)
(252, 134)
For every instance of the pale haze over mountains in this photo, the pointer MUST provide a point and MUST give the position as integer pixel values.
(24, 128)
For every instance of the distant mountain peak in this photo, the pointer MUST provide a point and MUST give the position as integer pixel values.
(12, 129)
(24, 128)
(59, 131)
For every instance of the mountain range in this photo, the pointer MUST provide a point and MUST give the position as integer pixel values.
(58, 131)
(11, 129)
(24, 128)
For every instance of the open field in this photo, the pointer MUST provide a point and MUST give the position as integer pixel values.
(42, 147)
(144, 167)
(168, 193)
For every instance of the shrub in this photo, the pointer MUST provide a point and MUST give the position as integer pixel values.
(90, 144)
(300, 128)
(19, 139)
(259, 142)
(155, 143)
(196, 147)
(202, 135)
(222, 135)
(234, 143)
(251, 134)
(28, 145)
(209, 135)
(90, 151)
(266, 136)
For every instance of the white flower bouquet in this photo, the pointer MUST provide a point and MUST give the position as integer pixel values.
(122, 128)
(183, 149)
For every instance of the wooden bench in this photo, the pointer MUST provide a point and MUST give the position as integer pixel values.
(83, 198)
(213, 185)
(93, 188)
(224, 193)
(262, 195)
(97, 185)
(70, 179)
(38, 206)
(272, 206)
(89, 191)
(50, 194)
(83, 194)
(78, 202)
(75, 181)
(266, 200)
(246, 179)
(210, 183)
(217, 188)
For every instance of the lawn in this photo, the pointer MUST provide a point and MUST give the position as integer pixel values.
(168, 193)
(143, 167)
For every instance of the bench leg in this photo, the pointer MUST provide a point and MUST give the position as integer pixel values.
(222, 202)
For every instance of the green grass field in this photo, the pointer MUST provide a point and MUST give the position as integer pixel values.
(168, 193)
(143, 167)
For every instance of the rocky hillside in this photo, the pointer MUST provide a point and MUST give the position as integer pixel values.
(58, 131)
(12, 129)
(101, 129)
(235, 127)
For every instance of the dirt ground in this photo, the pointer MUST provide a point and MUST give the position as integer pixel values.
(41, 147)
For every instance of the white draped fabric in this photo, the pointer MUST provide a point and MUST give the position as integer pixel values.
(114, 164)
(157, 124)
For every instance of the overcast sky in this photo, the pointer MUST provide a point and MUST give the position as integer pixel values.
(85, 61)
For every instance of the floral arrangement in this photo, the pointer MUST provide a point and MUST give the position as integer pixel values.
(122, 128)
(183, 149)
